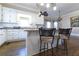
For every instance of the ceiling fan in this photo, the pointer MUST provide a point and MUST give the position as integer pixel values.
(44, 13)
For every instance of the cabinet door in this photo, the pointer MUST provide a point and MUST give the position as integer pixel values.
(5, 14)
(9, 15)
(0, 12)
(2, 36)
(22, 34)
(12, 16)
(12, 34)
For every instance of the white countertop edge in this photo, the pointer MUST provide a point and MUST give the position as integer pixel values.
(31, 29)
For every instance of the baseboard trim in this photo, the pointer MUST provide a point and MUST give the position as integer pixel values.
(14, 40)
(2, 45)
(74, 34)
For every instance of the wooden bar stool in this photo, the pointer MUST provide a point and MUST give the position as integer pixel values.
(64, 35)
(46, 37)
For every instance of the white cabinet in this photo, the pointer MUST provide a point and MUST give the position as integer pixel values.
(22, 34)
(5, 14)
(2, 36)
(9, 15)
(15, 34)
(0, 13)
(12, 15)
(12, 34)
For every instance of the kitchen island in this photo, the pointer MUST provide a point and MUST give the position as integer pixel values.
(33, 41)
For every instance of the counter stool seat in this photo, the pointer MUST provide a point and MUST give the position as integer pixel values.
(46, 39)
(63, 36)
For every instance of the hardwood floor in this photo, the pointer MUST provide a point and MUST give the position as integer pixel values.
(13, 49)
(19, 49)
(73, 49)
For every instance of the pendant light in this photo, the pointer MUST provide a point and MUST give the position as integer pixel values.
(59, 17)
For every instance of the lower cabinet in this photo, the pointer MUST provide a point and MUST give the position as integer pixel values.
(2, 36)
(15, 34)
(22, 35)
(9, 35)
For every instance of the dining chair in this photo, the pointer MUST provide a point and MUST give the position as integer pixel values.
(46, 37)
(64, 35)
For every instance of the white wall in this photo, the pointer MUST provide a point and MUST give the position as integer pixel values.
(65, 23)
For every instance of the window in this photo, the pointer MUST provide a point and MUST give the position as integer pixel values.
(56, 24)
(48, 24)
(24, 20)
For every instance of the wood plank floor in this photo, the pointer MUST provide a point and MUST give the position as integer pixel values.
(13, 49)
(73, 49)
(19, 49)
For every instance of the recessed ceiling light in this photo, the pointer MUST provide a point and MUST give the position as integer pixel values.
(41, 4)
(48, 5)
(54, 8)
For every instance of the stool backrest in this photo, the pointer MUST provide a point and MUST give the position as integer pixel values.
(47, 31)
(64, 31)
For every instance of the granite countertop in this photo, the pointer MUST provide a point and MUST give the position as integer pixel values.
(10, 28)
(31, 29)
(26, 28)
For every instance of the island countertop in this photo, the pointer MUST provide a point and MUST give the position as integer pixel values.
(26, 28)
(31, 29)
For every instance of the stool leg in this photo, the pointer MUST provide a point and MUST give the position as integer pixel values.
(52, 48)
(65, 46)
(44, 48)
(47, 47)
(40, 45)
(52, 44)
(57, 45)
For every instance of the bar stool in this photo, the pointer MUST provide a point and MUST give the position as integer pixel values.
(64, 35)
(46, 36)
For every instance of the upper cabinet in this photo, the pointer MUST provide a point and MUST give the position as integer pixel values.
(9, 15)
(0, 12)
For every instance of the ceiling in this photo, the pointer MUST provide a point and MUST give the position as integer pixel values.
(64, 7)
